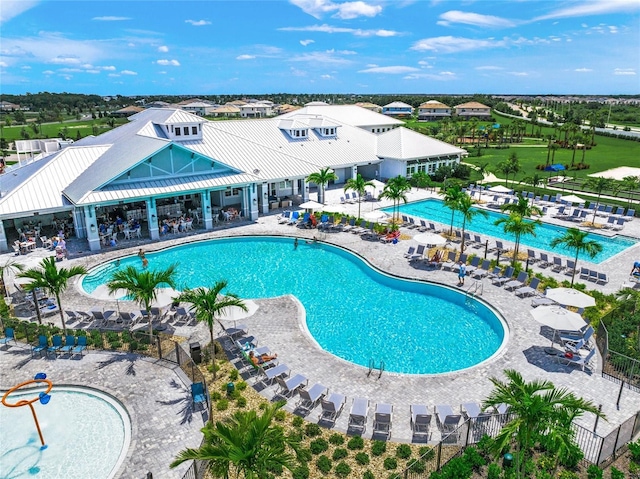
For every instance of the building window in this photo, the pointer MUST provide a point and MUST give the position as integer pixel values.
(178, 132)
(171, 128)
(186, 130)
(194, 130)
(298, 133)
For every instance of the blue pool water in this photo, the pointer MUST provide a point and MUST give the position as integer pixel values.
(352, 310)
(435, 210)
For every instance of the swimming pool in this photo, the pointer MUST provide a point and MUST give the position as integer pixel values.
(435, 210)
(352, 310)
(87, 435)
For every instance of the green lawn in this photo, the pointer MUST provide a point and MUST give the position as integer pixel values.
(53, 130)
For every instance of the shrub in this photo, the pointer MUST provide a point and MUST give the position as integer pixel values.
(305, 454)
(300, 472)
(222, 405)
(318, 446)
(572, 458)
(296, 435)
(565, 474)
(241, 402)
(297, 421)
(262, 405)
(493, 471)
(276, 468)
(216, 396)
(390, 463)
(339, 453)
(323, 464)
(312, 430)
(416, 466)
(356, 442)
(336, 439)
(456, 468)
(543, 475)
(362, 458)
(378, 448)
(368, 475)
(233, 374)
(615, 473)
(634, 449)
(403, 451)
(594, 472)
(426, 453)
(343, 469)
(474, 459)
(394, 475)
(241, 386)
(280, 415)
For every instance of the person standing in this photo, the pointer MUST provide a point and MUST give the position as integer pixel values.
(462, 273)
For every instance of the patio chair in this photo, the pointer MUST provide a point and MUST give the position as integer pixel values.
(358, 414)
(571, 340)
(557, 264)
(284, 217)
(410, 252)
(419, 253)
(530, 290)
(544, 260)
(382, 419)
(483, 270)
(519, 282)
(602, 278)
(294, 218)
(593, 276)
(309, 397)
(423, 226)
(531, 256)
(542, 301)
(332, 407)
(43, 344)
(9, 335)
(571, 268)
(420, 420)
(619, 225)
(80, 347)
(69, 344)
(472, 410)
(584, 273)
(272, 373)
(473, 266)
(451, 261)
(56, 344)
(447, 420)
(502, 280)
(582, 361)
(289, 386)
(198, 395)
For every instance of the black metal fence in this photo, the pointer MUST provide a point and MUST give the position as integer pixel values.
(617, 366)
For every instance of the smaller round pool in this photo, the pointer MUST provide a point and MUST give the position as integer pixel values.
(87, 434)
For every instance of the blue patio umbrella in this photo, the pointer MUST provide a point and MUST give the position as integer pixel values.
(556, 167)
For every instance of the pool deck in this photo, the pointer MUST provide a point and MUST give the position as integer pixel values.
(278, 324)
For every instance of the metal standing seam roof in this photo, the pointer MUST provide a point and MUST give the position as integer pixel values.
(347, 115)
(43, 181)
(404, 144)
(398, 104)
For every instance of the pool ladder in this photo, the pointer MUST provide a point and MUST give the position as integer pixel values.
(475, 289)
(372, 366)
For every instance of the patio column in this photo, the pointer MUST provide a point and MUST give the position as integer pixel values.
(305, 192)
(93, 236)
(354, 172)
(294, 186)
(152, 219)
(78, 223)
(207, 218)
(253, 201)
(4, 245)
(265, 198)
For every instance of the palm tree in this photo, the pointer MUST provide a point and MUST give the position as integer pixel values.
(244, 446)
(503, 167)
(598, 184)
(540, 414)
(630, 183)
(142, 285)
(522, 207)
(209, 304)
(516, 225)
(322, 179)
(451, 200)
(534, 180)
(465, 206)
(577, 240)
(52, 280)
(8, 266)
(358, 184)
(396, 190)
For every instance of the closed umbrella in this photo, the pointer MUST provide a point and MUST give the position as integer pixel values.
(430, 239)
(571, 297)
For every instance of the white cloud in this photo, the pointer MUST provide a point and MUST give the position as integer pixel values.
(298, 73)
(198, 23)
(354, 31)
(110, 19)
(93, 71)
(475, 19)
(449, 44)
(162, 73)
(488, 68)
(25, 67)
(624, 71)
(48, 72)
(344, 11)
(13, 8)
(327, 57)
(108, 68)
(598, 7)
(392, 70)
(70, 60)
(174, 63)
(583, 70)
(128, 72)
(3, 64)
(442, 76)
(326, 77)
(519, 74)
(163, 49)
(245, 57)
(304, 43)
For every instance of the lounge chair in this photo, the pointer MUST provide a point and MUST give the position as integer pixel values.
(410, 252)
(447, 420)
(130, 318)
(284, 217)
(81, 346)
(557, 264)
(542, 301)
(198, 395)
(582, 361)
(358, 414)
(571, 268)
(472, 410)
(43, 344)
(530, 290)
(544, 260)
(9, 335)
(420, 420)
(531, 256)
(572, 341)
(56, 344)
(584, 273)
(272, 373)
(69, 344)
(419, 253)
(517, 283)
(501, 280)
(602, 278)
(289, 386)
(483, 270)
(451, 261)
(294, 218)
(382, 419)
(473, 266)
(593, 276)
(309, 397)
(332, 407)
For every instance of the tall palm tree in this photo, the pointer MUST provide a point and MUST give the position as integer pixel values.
(465, 206)
(534, 180)
(52, 280)
(577, 240)
(598, 184)
(630, 183)
(540, 413)
(523, 207)
(322, 179)
(396, 190)
(210, 303)
(244, 446)
(516, 225)
(358, 184)
(142, 285)
(8, 266)
(451, 200)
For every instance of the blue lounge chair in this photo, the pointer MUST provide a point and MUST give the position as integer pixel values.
(9, 335)
(56, 344)
(69, 344)
(81, 346)
(43, 344)
(294, 218)
(198, 394)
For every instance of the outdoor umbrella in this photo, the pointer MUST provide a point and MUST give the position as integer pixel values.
(234, 313)
(571, 297)
(571, 199)
(500, 189)
(557, 318)
(312, 205)
(102, 292)
(165, 297)
(430, 239)
(376, 215)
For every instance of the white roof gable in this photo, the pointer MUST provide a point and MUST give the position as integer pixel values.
(346, 115)
(405, 144)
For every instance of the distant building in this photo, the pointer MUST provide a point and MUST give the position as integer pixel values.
(433, 110)
(200, 108)
(157, 104)
(286, 108)
(397, 108)
(473, 109)
(126, 111)
(8, 106)
(370, 106)
(257, 110)
(225, 111)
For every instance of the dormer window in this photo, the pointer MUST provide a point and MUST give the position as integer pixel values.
(178, 132)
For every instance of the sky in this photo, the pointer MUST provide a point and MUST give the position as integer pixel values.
(129, 47)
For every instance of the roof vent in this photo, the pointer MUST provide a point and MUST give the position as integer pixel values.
(256, 171)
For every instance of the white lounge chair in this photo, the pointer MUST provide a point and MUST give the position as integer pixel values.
(420, 420)
(332, 407)
(382, 419)
(358, 414)
(582, 361)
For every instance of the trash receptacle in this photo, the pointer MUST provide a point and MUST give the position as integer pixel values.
(196, 352)
(507, 460)
(230, 388)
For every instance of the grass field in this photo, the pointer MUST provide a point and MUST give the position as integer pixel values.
(53, 130)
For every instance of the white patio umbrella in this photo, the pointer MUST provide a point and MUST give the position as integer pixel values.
(312, 205)
(572, 199)
(376, 215)
(500, 189)
(571, 297)
(557, 318)
(165, 297)
(430, 239)
(102, 292)
(234, 313)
